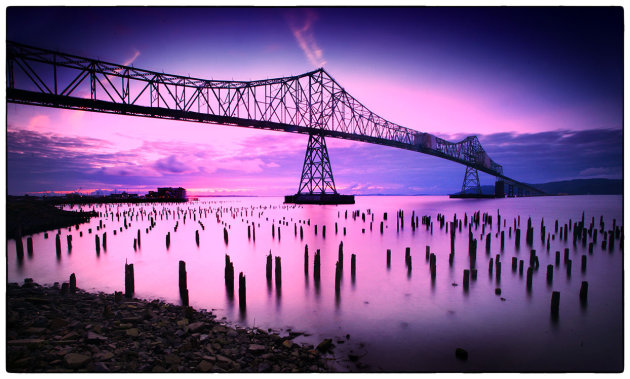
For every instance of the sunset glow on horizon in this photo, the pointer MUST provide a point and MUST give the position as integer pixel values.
(542, 88)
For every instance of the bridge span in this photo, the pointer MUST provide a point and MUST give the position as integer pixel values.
(312, 103)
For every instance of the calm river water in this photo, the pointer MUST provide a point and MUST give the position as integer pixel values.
(397, 318)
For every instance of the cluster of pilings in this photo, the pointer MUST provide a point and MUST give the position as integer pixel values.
(582, 234)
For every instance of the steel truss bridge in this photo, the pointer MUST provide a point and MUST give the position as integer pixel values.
(312, 103)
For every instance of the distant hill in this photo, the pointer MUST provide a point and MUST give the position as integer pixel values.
(576, 187)
(583, 187)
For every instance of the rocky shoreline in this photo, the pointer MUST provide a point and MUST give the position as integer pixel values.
(53, 329)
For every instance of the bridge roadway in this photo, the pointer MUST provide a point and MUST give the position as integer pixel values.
(309, 103)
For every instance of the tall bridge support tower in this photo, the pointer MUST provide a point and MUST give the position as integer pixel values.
(471, 182)
(317, 185)
(499, 189)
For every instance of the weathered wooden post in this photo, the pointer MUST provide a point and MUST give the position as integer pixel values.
(183, 283)
(129, 280)
(268, 266)
(98, 244)
(584, 292)
(305, 259)
(58, 244)
(514, 264)
(549, 274)
(323, 231)
(337, 277)
(353, 266)
(242, 292)
(225, 235)
(521, 263)
(316, 266)
(29, 246)
(301, 233)
(389, 257)
(555, 304)
(530, 274)
(229, 275)
(197, 237)
(557, 258)
(73, 283)
(583, 263)
(569, 262)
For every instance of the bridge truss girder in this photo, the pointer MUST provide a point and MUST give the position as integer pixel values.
(308, 103)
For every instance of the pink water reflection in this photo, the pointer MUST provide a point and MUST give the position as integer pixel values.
(404, 321)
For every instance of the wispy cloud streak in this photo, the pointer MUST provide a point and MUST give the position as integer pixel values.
(303, 33)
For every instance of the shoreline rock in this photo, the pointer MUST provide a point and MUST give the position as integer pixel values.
(48, 331)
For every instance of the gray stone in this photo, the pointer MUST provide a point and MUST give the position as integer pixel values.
(75, 360)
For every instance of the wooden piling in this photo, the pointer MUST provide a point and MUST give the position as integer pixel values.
(353, 265)
(242, 292)
(278, 272)
(183, 283)
(583, 263)
(57, 244)
(268, 266)
(197, 237)
(305, 259)
(549, 274)
(514, 264)
(129, 280)
(389, 257)
(521, 263)
(584, 292)
(316, 265)
(337, 277)
(73, 283)
(530, 275)
(229, 275)
(569, 262)
(29, 246)
(555, 303)
(98, 243)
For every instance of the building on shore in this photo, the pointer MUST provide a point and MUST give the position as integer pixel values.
(167, 193)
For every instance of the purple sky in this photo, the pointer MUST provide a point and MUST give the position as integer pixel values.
(541, 87)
